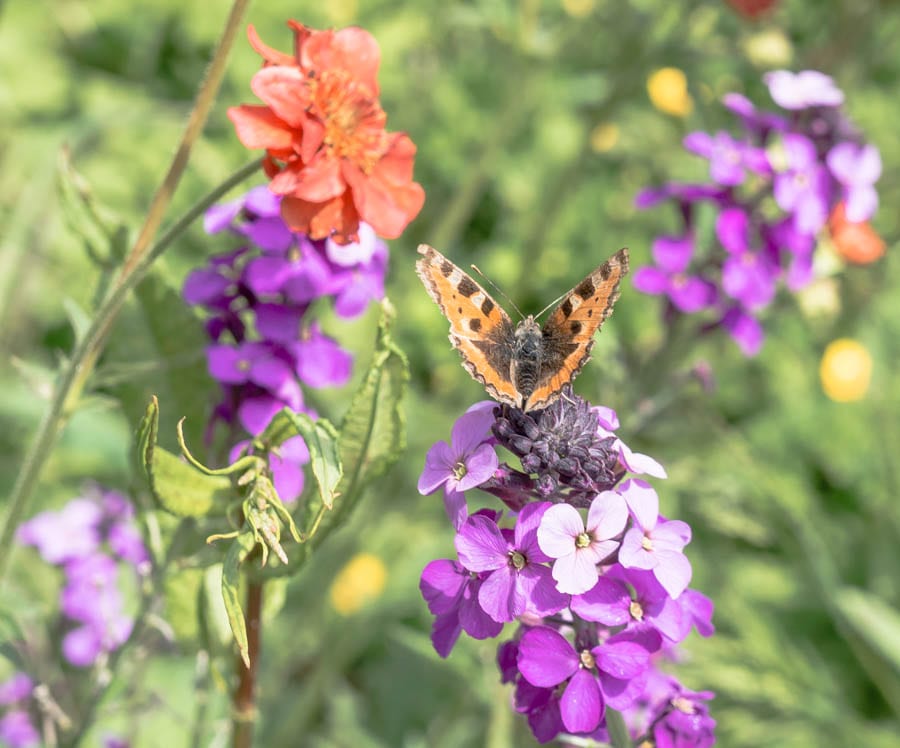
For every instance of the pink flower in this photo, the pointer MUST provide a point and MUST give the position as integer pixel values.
(577, 547)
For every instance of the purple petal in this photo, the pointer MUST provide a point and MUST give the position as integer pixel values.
(651, 280)
(471, 429)
(581, 705)
(270, 373)
(577, 572)
(802, 90)
(500, 596)
(542, 597)
(732, 226)
(321, 362)
(671, 535)
(799, 151)
(607, 515)
(641, 464)
(442, 583)
(17, 730)
(673, 253)
(620, 694)
(691, 294)
(632, 554)
(227, 364)
(219, 217)
(560, 525)
(16, 688)
(862, 202)
(699, 608)
(445, 632)
(269, 234)
(480, 545)
(278, 322)
(745, 330)
(607, 602)
(621, 659)
(438, 468)
(673, 572)
(546, 658)
(205, 286)
(700, 143)
(255, 413)
(525, 534)
(456, 507)
(82, 646)
(642, 501)
(475, 622)
(480, 466)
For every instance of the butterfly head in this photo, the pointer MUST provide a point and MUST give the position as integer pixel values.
(527, 342)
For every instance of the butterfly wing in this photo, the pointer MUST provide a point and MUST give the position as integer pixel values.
(479, 329)
(568, 334)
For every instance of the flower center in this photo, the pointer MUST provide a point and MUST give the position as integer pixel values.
(354, 121)
(517, 560)
(243, 365)
(637, 612)
(686, 706)
(582, 540)
(587, 659)
(646, 543)
(460, 470)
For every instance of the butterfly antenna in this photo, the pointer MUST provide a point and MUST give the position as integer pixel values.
(557, 299)
(499, 290)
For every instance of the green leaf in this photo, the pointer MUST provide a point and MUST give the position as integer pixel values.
(373, 432)
(157, 348)
(179, 488)
(618, 732)
(321, 439)
(231, 583)
(876, 622)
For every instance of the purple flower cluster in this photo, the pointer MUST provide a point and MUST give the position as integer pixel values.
(773, 189)
(17, 729)
(89, 538)
(265, 341)
(594, 575)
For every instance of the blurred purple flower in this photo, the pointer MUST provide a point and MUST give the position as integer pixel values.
(18, 731)
(672, 255)
(808, 88)
(16, 688)
(802, 188)
(857, 168)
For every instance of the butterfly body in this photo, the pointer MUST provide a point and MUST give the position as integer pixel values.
(524, 365)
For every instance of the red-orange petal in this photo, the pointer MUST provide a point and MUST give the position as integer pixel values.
(286, 180)
(270, 55)
(396, 166)
(260, 127)
(351, 49)
(388, 208)
(320, 180)
(313, 135)
(284, 89)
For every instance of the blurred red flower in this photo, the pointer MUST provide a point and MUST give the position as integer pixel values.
(752, 8)
(855, 242)
(327, 150)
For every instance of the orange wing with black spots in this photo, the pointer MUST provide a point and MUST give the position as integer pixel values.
(479, 328)
(568, 334)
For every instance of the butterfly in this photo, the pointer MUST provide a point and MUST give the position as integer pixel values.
(523, 365)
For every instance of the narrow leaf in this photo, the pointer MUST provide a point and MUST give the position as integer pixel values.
(618, 732)
(321, 439)
(231, 584)
(874, 620)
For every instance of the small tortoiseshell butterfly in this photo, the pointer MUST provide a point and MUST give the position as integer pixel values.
(523, 365)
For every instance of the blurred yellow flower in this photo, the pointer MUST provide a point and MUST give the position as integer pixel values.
(578, 8)
(667, 88)
(846, 370)
(360, 582)
(604, 137)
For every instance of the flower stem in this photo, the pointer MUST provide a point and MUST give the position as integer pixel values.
(81, 363)
(244, 703)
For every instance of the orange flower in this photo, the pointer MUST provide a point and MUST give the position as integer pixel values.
(323, 129)
(855, 242)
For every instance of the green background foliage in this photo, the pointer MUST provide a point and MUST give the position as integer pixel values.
(792, 497)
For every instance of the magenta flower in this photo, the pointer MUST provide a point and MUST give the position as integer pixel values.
(654, 543)
(70, 533)
(16, 688)
(547, 659)
(857, 168)
(727, 156)
(744, 329)
(321, 362)
(515, 580)
(684, 719)
(750, 278)
(579, 547)
(468, 461)
(672, 255)
(17, 730)
(802, 187)
(808, 88)
(451, 594)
